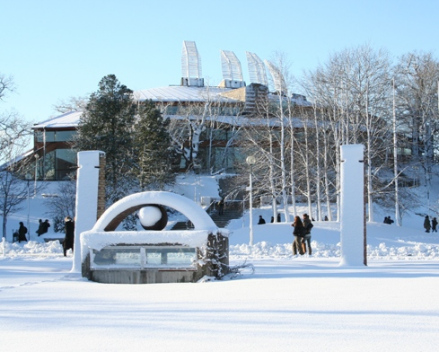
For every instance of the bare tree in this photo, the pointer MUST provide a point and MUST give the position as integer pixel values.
(417, 77)
(62, 204)
(13, 141)
(71, 104)
(354, 89)
(6, 85)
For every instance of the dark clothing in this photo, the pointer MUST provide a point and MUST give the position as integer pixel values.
(434, 225)
(307, 224)
(46, 226)
(22, 231)
(388, 220)
(298, 245)
(427, 225)
(40, 227)
(43, 227)
(68, 240)
(221, 207)
(299, 231)
(261, 220)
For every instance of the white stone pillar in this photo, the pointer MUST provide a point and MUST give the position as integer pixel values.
(87, 186)
(352, 223)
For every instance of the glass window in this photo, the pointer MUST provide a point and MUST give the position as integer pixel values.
(147, 256)
(64, 136)
(118, 256)
(50, 136)
(170, 256)
(55, 136)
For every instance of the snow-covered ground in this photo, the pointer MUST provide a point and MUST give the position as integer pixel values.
(307, 303)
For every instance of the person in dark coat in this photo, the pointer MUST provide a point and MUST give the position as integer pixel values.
(299, 232)
(434, 225)
(43, 227)
(221, 207)
(261, 220)
(69, 228)
(427, 225)
(46, 226)
(40, 227)
(307, 224)
(388, 220)
(22, 231)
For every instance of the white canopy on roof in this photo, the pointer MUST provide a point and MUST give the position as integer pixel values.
(182, 94)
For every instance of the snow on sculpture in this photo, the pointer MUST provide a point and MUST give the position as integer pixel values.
(206, 245)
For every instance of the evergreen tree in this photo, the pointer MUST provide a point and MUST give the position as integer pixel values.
(152, 145)
(107, 125)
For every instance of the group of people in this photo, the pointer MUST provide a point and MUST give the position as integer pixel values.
(430, 226)
(43, 226)
(388, 220)
(69, 229)
(22, 230)
(302, 234)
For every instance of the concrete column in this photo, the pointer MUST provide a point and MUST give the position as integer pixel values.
(90, 197)
(352, 221)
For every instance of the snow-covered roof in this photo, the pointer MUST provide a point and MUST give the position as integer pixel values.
(183, 94)
(69, 119)
(171, 94)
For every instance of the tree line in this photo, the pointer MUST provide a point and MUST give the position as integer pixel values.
(356, 96)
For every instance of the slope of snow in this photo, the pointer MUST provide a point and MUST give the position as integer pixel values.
(307, 303)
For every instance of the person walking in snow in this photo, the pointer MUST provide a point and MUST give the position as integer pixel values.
(43, 227)
(46, 226)
(434, 225)
(261, 220)
(221, 207)
(307, 224)
(40, 227)
(69, 228)
(427, 225)
(22, 231)
(299, 232)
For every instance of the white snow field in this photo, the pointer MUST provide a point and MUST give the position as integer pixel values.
(307, 303)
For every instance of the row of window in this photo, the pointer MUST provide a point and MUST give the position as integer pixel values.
(54, 136)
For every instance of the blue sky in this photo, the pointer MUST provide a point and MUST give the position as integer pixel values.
(57, 49)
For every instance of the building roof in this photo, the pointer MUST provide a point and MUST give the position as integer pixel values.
(179, 94)
(67, 120)
(170, 94)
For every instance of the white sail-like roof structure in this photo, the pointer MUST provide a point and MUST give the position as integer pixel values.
(190, 60)
(231, 66)
(256, 69)
(278, 78)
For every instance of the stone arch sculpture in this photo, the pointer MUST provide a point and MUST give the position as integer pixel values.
(114, 215)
